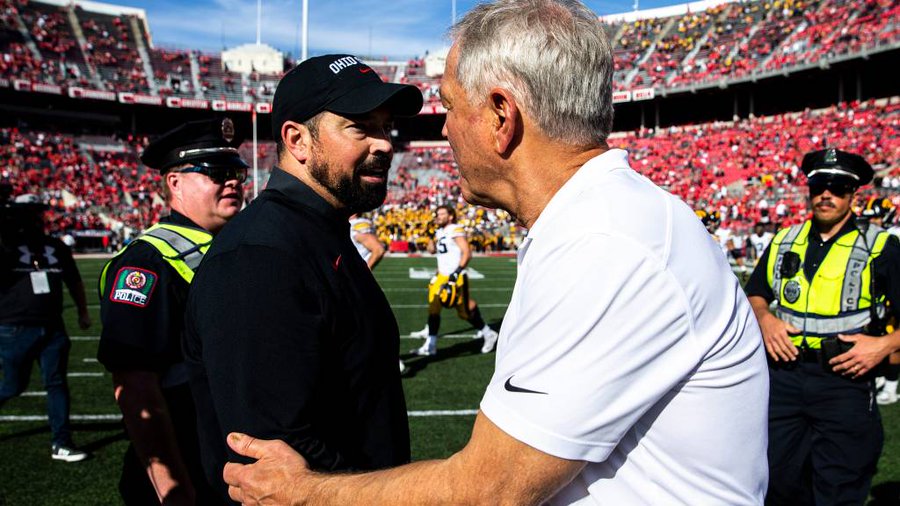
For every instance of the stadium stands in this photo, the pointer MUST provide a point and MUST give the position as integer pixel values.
(71, 45)
(747, 170)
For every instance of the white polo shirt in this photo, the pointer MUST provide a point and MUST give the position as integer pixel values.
(629, 344)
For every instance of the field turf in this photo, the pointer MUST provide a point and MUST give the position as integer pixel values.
(450, 383)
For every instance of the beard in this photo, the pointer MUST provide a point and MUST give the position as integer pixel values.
(349, 189)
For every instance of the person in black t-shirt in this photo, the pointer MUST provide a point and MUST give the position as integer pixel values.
(143, 292)
(288, 334)
(33, 269)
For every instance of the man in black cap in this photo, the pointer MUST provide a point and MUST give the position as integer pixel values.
(289, 335)
(143, 292)
(33, 269)
(831, 277)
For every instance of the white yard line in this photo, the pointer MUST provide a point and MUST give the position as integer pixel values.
(37, 393)
(115, 417)
(448, 336)
(85, 374)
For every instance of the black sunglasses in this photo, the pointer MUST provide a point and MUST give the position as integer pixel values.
(219, 175)
(836, 189)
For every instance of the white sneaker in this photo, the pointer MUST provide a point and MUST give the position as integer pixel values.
(402, 367)
(879, 382)
(490, 340)
(67, 454)
(425, 350)
(420, 334)
(885, 397)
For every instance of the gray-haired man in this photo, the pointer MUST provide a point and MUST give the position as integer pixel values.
(630, 369)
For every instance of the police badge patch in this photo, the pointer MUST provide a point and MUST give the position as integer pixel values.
(792, 291)
(133, 286)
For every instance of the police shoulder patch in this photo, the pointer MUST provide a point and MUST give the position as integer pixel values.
(133, 286)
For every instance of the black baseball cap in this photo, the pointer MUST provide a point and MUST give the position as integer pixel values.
(208, 143)
(341, 84)
(835, 166)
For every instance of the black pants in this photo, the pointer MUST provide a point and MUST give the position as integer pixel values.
(825, 436)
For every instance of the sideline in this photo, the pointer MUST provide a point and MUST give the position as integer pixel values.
(116, 418)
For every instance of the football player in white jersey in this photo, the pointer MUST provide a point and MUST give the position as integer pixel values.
(453, 255)
(362, 234)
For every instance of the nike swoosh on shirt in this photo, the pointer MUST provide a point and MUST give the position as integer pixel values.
(512, 388)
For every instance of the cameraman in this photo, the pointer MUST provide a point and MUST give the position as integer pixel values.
(33, 268)
(832, 278)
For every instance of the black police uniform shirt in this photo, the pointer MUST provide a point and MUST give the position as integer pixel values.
(145, 334)
(886, 267)
(289, 336)
(31, 283)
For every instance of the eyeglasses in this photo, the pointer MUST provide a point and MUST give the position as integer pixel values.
(219, 175)
(837, 188)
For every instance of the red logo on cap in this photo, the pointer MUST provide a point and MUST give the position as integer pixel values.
(365, 70)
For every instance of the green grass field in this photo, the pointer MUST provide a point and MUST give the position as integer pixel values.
(454, 380)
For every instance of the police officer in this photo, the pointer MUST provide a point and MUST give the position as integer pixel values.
(143, 292)
(33, 269)
(831, 278)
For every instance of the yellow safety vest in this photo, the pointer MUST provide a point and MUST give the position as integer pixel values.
(182, 247)
(838, 300)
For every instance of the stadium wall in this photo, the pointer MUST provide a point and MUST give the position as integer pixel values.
(858, 78)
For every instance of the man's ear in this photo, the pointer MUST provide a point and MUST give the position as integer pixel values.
(505, 119)
(172, 180)
(297, 140)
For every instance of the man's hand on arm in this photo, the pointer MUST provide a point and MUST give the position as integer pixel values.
(152, 434)
(775, 332)
(493, 468)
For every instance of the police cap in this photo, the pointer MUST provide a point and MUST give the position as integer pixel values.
(829, 164)
(341, 84)
(208, 143)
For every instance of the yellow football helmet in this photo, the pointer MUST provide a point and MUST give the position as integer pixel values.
(448, 294)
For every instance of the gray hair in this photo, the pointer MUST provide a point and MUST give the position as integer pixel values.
(553, 55)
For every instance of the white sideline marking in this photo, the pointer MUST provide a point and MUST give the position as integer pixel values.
(459, 412)
(84, 338)
(450, 336)
(36, 393)
(85, 374)
(426, 273)
(75, 418)
(89, 360)
(115, 418)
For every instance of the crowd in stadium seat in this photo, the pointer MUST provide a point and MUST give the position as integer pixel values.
(746, 170)
(726, 41)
